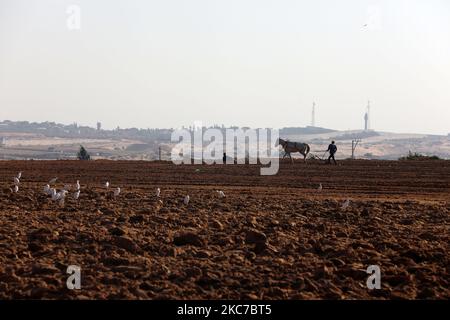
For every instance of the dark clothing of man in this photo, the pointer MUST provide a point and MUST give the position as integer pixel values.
(333, 149)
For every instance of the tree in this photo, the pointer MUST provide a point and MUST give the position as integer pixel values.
(83, 154)
(418, 156)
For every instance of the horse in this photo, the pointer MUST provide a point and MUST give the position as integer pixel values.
(289, 147)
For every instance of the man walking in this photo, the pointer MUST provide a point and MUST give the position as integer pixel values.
(332, 149)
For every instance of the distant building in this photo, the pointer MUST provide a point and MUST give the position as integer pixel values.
(99, 126)
(366, 121)
(367, 118)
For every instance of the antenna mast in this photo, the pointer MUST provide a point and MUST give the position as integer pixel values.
(313, 115)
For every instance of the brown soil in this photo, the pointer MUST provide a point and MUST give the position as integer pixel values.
(271, 237)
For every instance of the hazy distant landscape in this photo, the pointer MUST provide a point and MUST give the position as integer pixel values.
(49, 140)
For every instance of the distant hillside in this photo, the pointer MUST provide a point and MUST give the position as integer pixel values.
(304, 130)
(357, 135)
(49, 140)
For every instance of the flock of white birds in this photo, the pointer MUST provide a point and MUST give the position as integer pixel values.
(61, 195)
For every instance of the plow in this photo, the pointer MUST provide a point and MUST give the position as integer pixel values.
(313, 156)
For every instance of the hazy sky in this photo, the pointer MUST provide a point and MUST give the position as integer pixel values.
(260, 63)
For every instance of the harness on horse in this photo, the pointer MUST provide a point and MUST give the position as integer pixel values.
(286, 144)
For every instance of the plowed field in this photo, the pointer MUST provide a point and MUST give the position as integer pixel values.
(270, 237)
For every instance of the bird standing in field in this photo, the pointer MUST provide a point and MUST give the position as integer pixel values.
(52, 181)
(158, 192)
(58, 195)
(186, 200)
(116, 192)
(320, 188)
(16, 181)
(76, 195)
(62, 194)
(220, 193)
(346, 204)
(47, 189)
(54, 194)
(77, 185)
(107, 185)
(19, 175)
(16, 188)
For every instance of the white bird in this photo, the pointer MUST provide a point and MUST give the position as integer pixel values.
(62, 196)
(54, 194)
(77, 185)
(107, 184)
(186, 200)
(346, 204)
(116, 192)
(58, 195)
(19, 175)
(16, 188)
(63, 193)
(158, 192)
(53, 181)
(47, 189)
(220, 193)
(320, 187)
(16, 181)
(76, 195)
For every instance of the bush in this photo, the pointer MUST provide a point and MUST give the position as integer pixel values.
(83, 154)
(418, 156)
